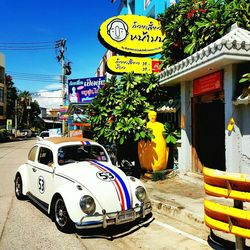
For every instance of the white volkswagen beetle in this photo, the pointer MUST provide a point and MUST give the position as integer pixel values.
(74, 180)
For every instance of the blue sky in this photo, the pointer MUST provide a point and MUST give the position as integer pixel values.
(77, 21)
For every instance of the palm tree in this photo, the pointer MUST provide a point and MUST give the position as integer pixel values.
(24, 100)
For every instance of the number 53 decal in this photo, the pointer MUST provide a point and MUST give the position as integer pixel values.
(105, 176)
(41, 184)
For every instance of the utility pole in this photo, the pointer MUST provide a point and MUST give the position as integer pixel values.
(61, 58)
(16, 118)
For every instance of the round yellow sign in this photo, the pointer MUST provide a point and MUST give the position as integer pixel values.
(132, 35)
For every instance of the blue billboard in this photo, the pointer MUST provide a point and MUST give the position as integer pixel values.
(84, 89)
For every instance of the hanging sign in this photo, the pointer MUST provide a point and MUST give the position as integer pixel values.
(84, 89)
(207, 84)
(132, 35)
(139, 65)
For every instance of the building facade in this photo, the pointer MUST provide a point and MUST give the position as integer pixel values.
(149, 8)
(3, 92)
(215, 108)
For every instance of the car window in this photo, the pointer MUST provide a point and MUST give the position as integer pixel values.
(32, 154)
(45, 156)
(73, 153)
(44, 134)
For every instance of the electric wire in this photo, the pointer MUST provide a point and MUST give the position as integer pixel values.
(35, 77)
(30, 45)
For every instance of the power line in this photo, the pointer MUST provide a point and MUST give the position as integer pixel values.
(30, 45)
(58, 97)
(39, 94)
(38, 74)
(35, 77)
(57, 42)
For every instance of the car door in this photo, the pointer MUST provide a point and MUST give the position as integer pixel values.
(44, 176)
(32, 170)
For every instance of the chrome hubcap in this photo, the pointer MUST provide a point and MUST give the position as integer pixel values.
(61, 213)
(18, 186)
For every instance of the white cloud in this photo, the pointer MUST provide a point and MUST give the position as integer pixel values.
(54, 86)
(49, 99)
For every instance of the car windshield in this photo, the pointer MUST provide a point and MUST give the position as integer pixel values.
(75, 153)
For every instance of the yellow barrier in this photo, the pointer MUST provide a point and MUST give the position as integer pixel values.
(228, 219)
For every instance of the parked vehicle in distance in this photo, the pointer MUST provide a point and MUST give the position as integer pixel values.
(24, 133)
(43, 135)
(74, 181)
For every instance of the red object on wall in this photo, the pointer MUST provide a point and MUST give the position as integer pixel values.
(207, 84)
(156, 66)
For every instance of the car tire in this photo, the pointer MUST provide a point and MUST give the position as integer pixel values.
(61, 216)
(19, 187)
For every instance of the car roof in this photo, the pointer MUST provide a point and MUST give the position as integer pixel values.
(57, 140)
(65, 140)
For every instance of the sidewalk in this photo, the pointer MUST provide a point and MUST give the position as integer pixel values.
(180, 197)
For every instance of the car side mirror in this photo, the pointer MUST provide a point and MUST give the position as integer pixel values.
(53, 166)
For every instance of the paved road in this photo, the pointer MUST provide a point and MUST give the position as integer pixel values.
(24, 226)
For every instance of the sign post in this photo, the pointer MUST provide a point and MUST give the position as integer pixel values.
(8, 124)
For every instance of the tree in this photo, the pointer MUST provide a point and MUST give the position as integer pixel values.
(11, 97)
(118, 113)
(192, 25)
(27, 110)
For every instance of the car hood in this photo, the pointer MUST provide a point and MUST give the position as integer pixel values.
(108, 184)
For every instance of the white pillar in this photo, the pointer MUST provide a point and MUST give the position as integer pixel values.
(232, 139)
(185, 152)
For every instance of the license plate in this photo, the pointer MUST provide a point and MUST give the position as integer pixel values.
(126, 216)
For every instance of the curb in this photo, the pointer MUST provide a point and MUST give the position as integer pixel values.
(178, 213)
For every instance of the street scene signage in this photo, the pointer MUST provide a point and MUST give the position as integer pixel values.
(132, 35)
(139, 65)
(84, 89)
(207, 84)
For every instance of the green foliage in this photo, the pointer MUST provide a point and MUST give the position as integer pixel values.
(26, 117)
(11, 97)
(118, 113)
(171, 134)
(245, 78)
(192, 25)
(158, 175)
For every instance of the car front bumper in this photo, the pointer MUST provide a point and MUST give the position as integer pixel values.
(117, 218)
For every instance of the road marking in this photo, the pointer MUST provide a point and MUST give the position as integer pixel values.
(173, 229)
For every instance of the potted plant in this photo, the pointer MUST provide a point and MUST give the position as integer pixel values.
(172, 135)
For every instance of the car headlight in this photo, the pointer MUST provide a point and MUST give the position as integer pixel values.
(140, 193)
(87, 204)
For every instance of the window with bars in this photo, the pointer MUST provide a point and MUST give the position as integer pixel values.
(1, 110)
(1, 74)
(1, 94)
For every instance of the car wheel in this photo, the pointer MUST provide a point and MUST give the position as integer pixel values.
(61, 216)
(19, 187)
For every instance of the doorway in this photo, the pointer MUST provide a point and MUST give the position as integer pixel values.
(208, 132)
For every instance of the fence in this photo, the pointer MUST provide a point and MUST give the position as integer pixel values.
(233, 220)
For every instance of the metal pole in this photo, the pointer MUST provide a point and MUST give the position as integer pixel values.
(15, 118)
(63, 82)
(239, 241)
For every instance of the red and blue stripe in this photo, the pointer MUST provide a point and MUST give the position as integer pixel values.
(120, 185)
(85, 142)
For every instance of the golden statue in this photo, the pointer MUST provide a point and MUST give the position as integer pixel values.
(153, 155)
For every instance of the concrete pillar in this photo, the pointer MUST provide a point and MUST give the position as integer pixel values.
(232, 139)
(185, 151)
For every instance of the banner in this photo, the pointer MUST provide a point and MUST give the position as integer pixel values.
(84, 89)
(139, 65)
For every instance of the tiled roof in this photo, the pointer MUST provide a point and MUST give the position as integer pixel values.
(236, 44)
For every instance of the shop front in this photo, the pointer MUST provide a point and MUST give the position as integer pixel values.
(208, 125)
(208, 82)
